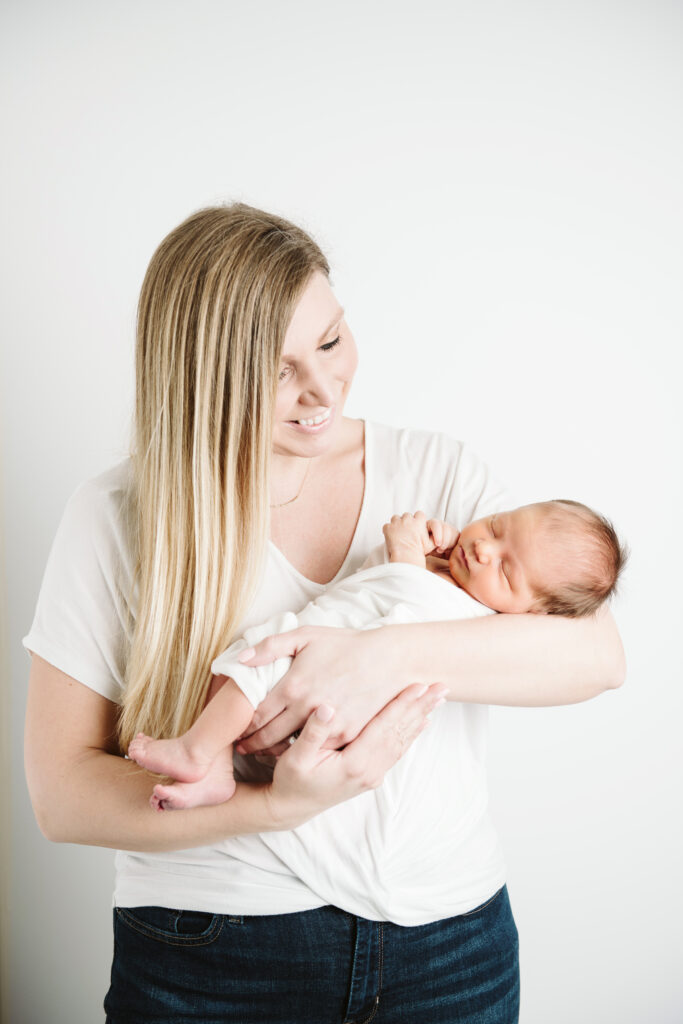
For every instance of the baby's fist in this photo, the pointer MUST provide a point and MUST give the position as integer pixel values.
(407, 535)
(443, 535)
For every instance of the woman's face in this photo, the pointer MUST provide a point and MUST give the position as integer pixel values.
(318, 362)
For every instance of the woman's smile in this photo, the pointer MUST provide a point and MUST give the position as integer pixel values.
(315, 424)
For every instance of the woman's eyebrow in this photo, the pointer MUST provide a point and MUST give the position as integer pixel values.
(337, 317)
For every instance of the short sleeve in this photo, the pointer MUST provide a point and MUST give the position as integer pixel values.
(83, 621)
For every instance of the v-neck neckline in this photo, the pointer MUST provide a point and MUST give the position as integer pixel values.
(367, 467)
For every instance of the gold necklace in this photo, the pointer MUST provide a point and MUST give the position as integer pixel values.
(298, 493)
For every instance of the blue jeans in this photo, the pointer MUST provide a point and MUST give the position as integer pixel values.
(320, 966)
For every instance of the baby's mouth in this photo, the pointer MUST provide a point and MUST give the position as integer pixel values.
(463, 557)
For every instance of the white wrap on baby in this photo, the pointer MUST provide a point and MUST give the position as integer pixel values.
(393, 853)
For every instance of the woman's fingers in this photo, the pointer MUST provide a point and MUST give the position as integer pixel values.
(316, 730)
(309, 778)
(280, 645)
(388, 735)
(278, 749)
(279, 727)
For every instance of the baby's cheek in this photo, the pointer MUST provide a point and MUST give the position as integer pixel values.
(489, 594)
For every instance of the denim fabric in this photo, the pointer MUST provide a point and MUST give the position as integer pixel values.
(320, 966)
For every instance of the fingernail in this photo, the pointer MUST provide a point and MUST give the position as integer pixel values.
(441, 692)
(247, 655)
(325, 713)
(439, 702)
(421, 691)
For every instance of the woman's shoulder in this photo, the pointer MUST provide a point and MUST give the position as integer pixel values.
(429, 470)
(410, 448)
(112, 486)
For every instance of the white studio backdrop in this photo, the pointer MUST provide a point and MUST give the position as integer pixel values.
(497, 186)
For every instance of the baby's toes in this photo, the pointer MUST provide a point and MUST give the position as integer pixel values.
(156, 803)
(169, 797)
(138, 746)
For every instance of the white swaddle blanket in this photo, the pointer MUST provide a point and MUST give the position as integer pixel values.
(393, 853)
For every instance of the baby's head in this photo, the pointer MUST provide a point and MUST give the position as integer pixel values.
(554, 558)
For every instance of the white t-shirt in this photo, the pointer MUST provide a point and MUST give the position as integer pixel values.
(389, 854)
(82, 625)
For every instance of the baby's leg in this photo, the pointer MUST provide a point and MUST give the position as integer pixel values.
(187, 758)
(217, 786)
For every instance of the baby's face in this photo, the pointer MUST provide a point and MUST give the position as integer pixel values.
(498, 559)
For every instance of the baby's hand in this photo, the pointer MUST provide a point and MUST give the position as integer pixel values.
(443, 535)
(408, 539)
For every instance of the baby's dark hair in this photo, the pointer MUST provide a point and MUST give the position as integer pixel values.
(588, 561)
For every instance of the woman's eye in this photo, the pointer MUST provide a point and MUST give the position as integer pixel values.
(284, 374)
(328, 346)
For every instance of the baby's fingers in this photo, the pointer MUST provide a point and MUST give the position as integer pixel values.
(435, 527)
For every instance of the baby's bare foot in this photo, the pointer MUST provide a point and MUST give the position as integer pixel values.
(216, 787)
(168, 757)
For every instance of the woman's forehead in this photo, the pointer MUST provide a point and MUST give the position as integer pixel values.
(316, 313)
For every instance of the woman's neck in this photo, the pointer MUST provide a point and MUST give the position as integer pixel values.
(288, 477)
(289, 472)
(314, 531)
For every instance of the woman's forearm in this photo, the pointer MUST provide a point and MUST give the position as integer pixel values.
(83, 792)
(106, 803)
(523, 660)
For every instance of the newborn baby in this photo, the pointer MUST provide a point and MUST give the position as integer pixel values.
(555, 558)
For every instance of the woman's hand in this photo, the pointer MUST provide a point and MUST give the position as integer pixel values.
(513, 660)
(351, 670)
(309, 778)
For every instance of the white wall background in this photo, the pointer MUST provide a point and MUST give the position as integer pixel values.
(498, 187)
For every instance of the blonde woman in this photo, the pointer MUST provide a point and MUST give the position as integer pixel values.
(247, 493)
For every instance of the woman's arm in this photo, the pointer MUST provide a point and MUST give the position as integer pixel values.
(522, 660)
(83, 792)
(519, 660)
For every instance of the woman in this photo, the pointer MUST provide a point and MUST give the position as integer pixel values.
(244, 362)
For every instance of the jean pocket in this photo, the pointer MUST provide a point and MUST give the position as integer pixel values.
(172, 927)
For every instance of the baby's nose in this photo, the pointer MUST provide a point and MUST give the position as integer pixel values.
(482, 551)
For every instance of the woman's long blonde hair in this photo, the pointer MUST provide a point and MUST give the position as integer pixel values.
(215, 304)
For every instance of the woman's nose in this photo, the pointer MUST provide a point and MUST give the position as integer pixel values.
(317, 389)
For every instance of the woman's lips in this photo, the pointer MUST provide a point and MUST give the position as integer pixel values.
(313, 428)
